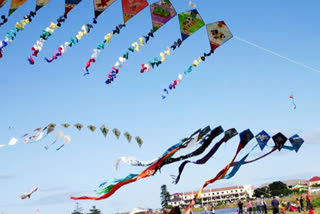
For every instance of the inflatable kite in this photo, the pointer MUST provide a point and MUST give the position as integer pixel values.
(28, 195)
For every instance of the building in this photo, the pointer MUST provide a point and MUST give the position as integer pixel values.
(214, 196)
(314, 181)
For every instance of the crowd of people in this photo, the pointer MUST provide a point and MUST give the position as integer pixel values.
(260, 206)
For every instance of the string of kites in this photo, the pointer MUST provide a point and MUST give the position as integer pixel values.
(203, 138)
(40, 133)
(161, 13)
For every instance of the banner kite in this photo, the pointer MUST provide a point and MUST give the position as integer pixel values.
(46, 33)
(20, 26)
(218, 34)
(99, 7)
(40, 133)
(15, 4)
(129, 10)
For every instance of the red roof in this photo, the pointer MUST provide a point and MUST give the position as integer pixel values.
(315, 178)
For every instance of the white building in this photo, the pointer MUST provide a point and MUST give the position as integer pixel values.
(214, 196)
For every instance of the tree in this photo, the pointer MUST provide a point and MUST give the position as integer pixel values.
(94, 210)
(278, 188)
(164, 196)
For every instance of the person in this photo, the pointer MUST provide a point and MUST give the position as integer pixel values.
(308, 201)
(275, 205)
(205, 210)
(249, 205)
(175, 210)
(149, 211)
(298, 205)
(163, 211)
(301, 203)
(264, 206)
(258, 205)
(283, 209)
(240, 206)
(310, 209)
(212, 210)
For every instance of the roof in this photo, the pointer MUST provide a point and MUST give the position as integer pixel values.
(214, 190)
(315, 178)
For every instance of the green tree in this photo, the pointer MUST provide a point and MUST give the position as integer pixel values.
(94, 210)
(279, 188)
(164, 196)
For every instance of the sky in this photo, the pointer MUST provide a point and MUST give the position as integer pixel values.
(240, 86)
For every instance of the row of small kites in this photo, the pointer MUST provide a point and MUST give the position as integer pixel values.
(40, 133)
(203, 139)
(161, 13)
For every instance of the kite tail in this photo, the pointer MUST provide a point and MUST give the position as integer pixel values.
(11, 35)
(46, 33)
(135, 47)
(85, 29)
(4, 20)
(200, 161)
(244, 141)
(101, 46)
(181, 76)
(156, 61)
(60, 147)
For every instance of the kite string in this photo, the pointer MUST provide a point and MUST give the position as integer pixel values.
(277, 54)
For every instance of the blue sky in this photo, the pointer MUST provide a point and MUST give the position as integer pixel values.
(239, 86)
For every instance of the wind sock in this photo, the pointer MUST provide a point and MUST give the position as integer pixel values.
(218, 34)
(99, 7)
(161, 13)
(47, 32)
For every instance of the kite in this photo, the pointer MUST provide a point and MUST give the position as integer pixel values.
(66, 140)
(39, 134)
(218, 34)
(28, 195)
(279, 140)
(46, 33)
(109, 187)
(190, 22)
(227, 136)
(191, 4)
(19, 26)
(99, 7)
(15, 4)
(133, 162)
(161, 12)
(293, 101)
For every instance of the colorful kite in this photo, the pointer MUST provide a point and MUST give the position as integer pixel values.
(46, 33)
(132, 161)
(99, 7)
(11, 35)
(161, 12)
(218, 33)
(293, 101)
(28, 195)
(109, 187)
